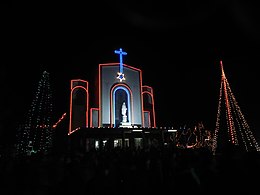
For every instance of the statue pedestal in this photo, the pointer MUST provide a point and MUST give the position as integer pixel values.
(125, 125)
(124, 119)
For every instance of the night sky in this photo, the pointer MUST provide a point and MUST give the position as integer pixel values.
(177, 45)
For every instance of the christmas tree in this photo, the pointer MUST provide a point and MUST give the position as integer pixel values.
(232, 129)
(36, 134)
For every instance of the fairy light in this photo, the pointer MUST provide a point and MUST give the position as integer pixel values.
(216, 132)
(37, 131)
(60, 119)
(238, 128)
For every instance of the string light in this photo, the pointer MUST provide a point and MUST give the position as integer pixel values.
(238, 129)
(36, 134)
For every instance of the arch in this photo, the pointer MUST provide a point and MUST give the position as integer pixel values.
(120, 93)
(78, 99)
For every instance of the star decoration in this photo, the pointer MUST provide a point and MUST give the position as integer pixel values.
(120, 76)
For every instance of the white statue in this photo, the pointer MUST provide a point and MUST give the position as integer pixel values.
(123, 111)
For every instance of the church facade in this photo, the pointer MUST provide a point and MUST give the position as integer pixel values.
(125, 113)
(120, 89)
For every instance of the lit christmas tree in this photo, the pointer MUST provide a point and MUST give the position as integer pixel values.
(232, 128)
(36, 134)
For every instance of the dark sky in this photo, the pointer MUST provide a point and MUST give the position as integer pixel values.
(178, 46)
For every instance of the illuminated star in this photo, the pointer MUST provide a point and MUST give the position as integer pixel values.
(120, 76)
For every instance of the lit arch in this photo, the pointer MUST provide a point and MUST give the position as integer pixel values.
(113, 103)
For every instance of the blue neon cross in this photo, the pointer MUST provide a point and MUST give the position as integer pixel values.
(121, 53)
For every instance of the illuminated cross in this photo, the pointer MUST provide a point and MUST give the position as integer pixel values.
(121, 53)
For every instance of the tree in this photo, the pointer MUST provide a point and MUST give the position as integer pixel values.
(36, 134)
(232, 129)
